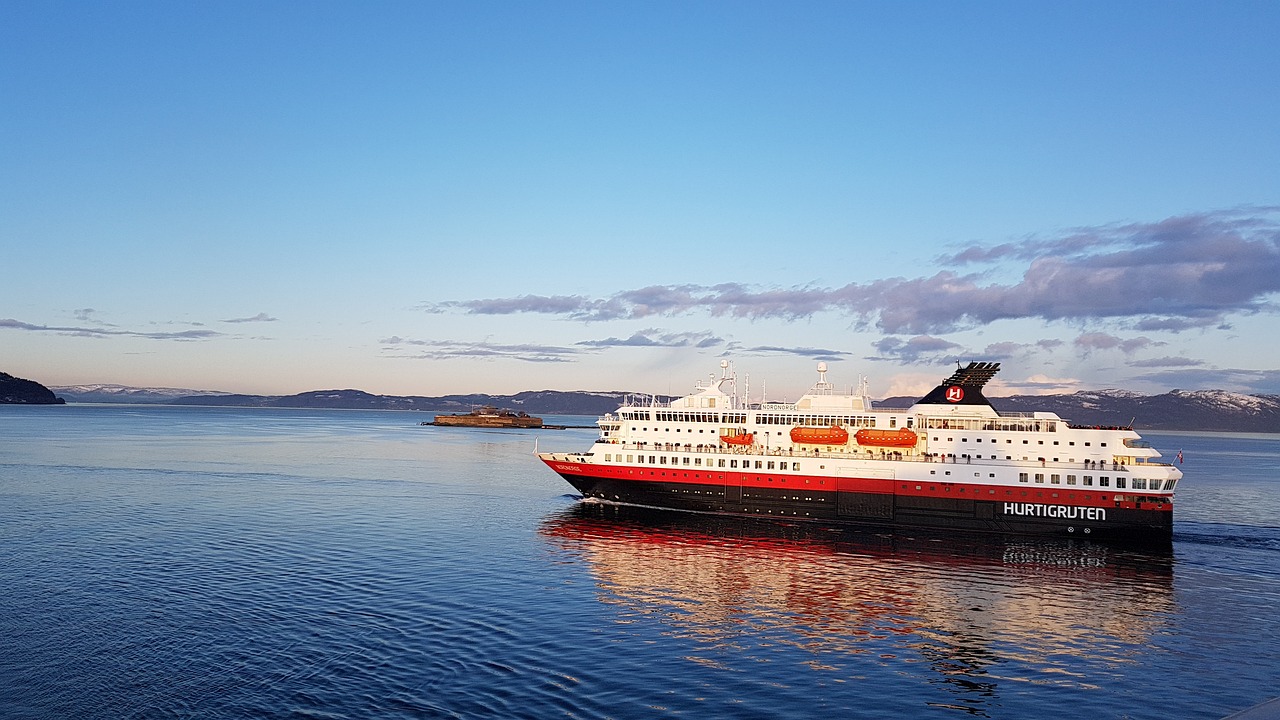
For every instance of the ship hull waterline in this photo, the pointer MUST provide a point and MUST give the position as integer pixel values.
(886, 507)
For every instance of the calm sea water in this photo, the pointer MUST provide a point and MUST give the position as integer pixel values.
(225, 563)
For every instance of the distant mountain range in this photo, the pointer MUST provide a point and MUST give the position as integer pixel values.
(1212, 410)
(548, 402)
(126, 394)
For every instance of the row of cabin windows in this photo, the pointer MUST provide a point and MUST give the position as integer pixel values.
(1007, 425)
(1103, 481)
(817, 420)
(697, 462)
(704, 417)
(1008, 442)
(1056, 479)
(701, 430)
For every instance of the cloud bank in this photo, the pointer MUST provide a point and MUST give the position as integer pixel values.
(1185, 272)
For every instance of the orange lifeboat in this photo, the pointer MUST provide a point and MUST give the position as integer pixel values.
(833, 435)
(741, 439)
(886, 438)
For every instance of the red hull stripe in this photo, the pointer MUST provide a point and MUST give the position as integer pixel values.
(915, 488)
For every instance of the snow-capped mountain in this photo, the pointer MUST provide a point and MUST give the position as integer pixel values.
(1177, 410)
(123, 394)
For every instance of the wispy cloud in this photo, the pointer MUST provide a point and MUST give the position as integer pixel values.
(398, 347)
(916, 350)
(260, 317)
(654, 337)
(1040, 385)
(1167, 362)
(808, 352)
(1089, 342)
(1185, 272)
(99, 332)
(86, 315)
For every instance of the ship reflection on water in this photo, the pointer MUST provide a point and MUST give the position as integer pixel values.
(977, 612)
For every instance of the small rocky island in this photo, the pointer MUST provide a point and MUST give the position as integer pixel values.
(489, 417)
(16, 391)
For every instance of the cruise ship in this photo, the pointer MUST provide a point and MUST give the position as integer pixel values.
(950, 462)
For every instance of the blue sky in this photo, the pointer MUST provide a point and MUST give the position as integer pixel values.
(430, 198)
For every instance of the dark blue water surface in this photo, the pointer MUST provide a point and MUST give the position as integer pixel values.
(226, 563)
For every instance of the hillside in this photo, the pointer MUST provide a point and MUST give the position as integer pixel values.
(16, 391)
(541, 402)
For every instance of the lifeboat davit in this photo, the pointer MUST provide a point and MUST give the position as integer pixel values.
(886, 438)
(741, 439)
(833, 435)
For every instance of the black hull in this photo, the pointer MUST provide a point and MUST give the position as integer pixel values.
(883, 510)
